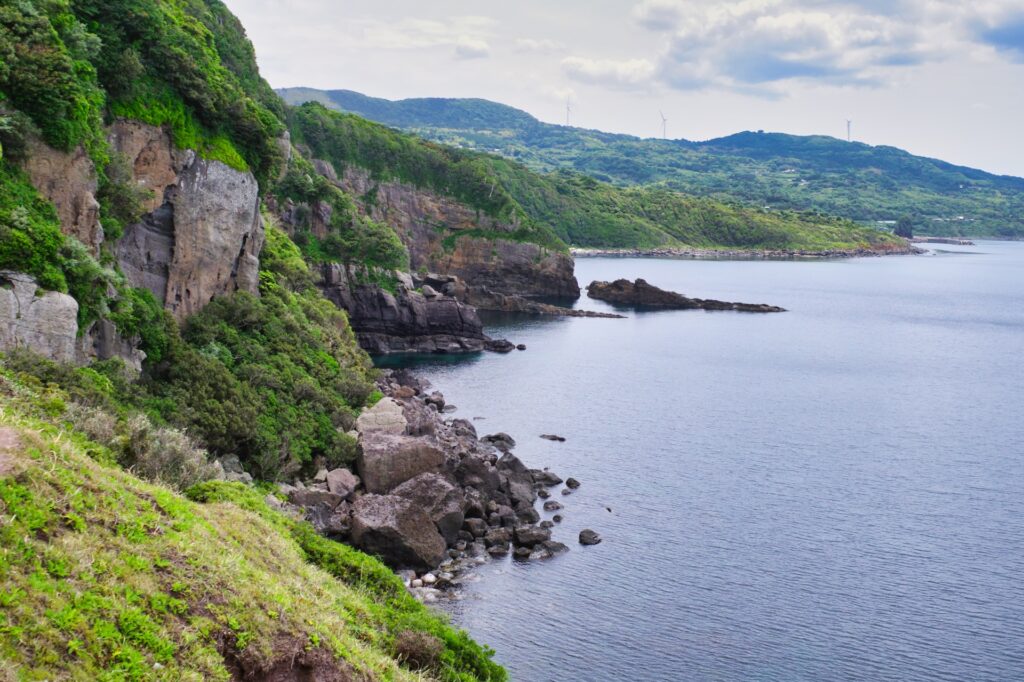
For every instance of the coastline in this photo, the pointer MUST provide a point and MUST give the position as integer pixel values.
(743, 254)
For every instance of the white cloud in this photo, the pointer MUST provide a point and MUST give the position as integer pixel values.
(630, 73)
(467, 36)
(538, 45)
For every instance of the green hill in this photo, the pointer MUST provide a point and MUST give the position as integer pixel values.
(805, 173)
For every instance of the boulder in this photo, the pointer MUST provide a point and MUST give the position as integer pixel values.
(551, 505)
(386, 461)
(554, 547)
(342, 482)
(528, 536)
(441, 499)
(310, 497)
(498, 536)
(516, 479)
(502, 441)
(589, 537)
(477, 472)
(553, 437)
(477, 528)
(393, 528)
(387, 416)
(332, 522)
(545, 477)
(572, 483)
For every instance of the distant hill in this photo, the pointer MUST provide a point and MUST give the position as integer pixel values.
(854, 180)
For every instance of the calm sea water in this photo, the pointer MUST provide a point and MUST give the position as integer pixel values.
(831, 493)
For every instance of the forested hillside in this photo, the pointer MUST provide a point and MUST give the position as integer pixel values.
(805, 173)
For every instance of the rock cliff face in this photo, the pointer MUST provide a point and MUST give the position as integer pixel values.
(406, 321)
(44, 322)
(203, 233)
(642, 295)
(507, 266)
(69, 181)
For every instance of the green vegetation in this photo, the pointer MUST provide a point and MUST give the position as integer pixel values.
(786, 172)
(564, 207)
(104, 576)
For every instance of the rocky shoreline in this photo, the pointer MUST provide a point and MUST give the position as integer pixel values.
(429, 496)
(743, 254)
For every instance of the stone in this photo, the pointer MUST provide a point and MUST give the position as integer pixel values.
(527, 514)
(572, 483)
(44, 321)
(477, 472)
(557, 518)
(386, 461)
(397, 531)
(501, 440)
(311, 496)
(640, 294)
(547, 524)
(554, 547)
(441, 499)
(522, 553)
(516, 479)
(498, 536)
(321, 475)
(437, 399)
(498, 550)
(589, 537)
(476, 527)
(551, 505)
(543, 494)
(342, 482)
(387, 416)
(545, 477)
(521, 346)
(553, 437)
(567, 491)
(332, 522)
(528, 536)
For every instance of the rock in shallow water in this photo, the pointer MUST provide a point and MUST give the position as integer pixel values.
(589, 537)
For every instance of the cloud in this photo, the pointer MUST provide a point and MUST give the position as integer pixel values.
(1006, 36)
(627, 74)
(757, 46)
(467, 36)
(541, 45)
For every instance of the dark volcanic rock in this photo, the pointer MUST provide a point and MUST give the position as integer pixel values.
(528, 536)
(553, 437)
(589, 537)
(395, 529)
(640, 294)
(572, 483)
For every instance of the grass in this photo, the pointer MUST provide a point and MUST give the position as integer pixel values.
(104, 576)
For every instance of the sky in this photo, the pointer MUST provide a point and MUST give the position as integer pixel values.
(940, 78)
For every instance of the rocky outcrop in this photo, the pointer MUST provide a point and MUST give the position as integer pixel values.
(405, 320)
(45, 322)
(642, 295)
(483, 298)
(386, 461)
(102, 341)
(503, 265)
(68, 179)
(440, 498)
(202, 234)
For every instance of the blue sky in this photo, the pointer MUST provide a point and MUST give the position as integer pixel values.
(937, 77)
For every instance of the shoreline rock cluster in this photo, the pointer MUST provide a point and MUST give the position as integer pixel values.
(427, 495)
(642, 295)
(744, 254)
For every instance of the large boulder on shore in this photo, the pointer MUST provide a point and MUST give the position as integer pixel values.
(516, 480)
(397, 531)
(387, 416)
(441, 499)
(387, 460)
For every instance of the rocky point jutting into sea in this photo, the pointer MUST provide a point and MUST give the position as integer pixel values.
(427, 494)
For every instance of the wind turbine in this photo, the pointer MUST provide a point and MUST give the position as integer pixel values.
(664, 126)
(568, 110)
(849, 123)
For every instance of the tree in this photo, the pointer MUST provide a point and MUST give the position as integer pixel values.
(905, 227)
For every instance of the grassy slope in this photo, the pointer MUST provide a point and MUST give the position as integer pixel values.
(795, 172)
(106, 577)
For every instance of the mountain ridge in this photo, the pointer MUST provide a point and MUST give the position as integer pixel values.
(855, 180)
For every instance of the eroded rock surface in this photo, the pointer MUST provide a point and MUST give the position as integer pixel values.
(68, 179)
(202, 235)
(45, 322)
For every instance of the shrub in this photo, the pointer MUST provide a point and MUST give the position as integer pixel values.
(165, 455)
(418, 650)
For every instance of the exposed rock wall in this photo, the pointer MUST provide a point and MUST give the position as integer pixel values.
(46, 323)
(406, 321)
(69, 181)
(423, 219)
(203, 233)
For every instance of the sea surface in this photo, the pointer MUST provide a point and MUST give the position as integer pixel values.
(831, 493)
